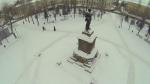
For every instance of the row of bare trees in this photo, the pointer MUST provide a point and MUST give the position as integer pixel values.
(26, 8)
(8, 15)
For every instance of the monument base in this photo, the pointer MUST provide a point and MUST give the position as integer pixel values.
(86, 61)
(88, 67)
(86, 55)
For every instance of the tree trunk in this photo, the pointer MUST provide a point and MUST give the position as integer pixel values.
(139, 31)
(32, 19)
(47, 19)
(28, 19)
(148, 36)
(38, 21)
(36, 17)
(121, 22)
(129, 26)
(11, 27)
(1, 43)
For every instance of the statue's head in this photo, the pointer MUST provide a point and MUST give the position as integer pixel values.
(89, 10)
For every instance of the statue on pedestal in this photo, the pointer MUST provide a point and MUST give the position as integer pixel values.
(86, 54)
(88, 18)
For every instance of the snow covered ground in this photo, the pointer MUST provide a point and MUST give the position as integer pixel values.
(33, 57)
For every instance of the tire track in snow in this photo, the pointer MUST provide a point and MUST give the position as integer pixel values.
(54, 42)
(131, 73)
(35, 80)
(36, 71)
(25, 70)
(36, 58)
(119, 46)
(129, 50)
(131, 70)
(124, 48)
(111, 42)
(73, 75)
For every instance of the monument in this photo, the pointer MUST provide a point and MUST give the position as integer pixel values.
(86, 54)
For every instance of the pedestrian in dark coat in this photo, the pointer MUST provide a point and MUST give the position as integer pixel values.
(54, 28)
(43, 28)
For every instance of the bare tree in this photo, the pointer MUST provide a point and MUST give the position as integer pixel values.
(141, 25)
(131, 23)
(37, 10)
(45, 8)
(74, 6)
(53, 4)
(145, 15)
(116, 4)
(146, 12)
(102, 6)
(55, 9)
(140, 2)
(65, 8)
(83, 4)
(87, 4)
(8, 16)
(148, 32)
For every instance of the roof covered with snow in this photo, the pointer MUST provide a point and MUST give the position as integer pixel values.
(143, 2)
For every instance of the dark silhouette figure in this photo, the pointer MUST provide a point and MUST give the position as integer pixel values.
(4, 46)
(36, 17)
(148, 33)
(141, 25)
(126, 18)
(88, 18)
(54, 28)
(46, 14)
(43, 28)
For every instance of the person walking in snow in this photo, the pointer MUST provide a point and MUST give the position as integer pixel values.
(43, 28)
(54, 28)
(148, 33)
(149, 30)
(141, 25)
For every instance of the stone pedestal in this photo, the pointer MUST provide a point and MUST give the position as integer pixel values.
(86, 51)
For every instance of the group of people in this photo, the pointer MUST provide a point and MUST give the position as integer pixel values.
(140, 24)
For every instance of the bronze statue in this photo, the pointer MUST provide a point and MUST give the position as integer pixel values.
(88, 18)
